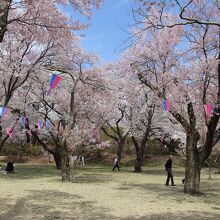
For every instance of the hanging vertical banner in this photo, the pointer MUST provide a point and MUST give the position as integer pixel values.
(55, 79)
(9, 132)
(40, 124)
(23, 120)
(208, 109)
(166, 105)
(47, 123)
(3, 111)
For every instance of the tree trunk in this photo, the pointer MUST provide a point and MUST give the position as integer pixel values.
(193, 165)
(58, 159)
(35, 138)
(65, 163)
(120, 150)
(138, 165)
(138, 161)
(140, 148)
(65, 169)
(4, 9)
(99, 154)
(210, 172)
(0, 129)
(21, 148)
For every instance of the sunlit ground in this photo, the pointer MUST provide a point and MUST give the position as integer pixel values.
(36, 192)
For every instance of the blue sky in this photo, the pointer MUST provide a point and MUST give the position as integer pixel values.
(106, 33)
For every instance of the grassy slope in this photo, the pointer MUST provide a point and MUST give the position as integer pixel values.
(36, 192)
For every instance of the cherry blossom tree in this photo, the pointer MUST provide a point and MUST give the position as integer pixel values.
(43, 14)
(130, 108)
(140, 117)
(31, 32)
(137, 109)
(20, 56)
(69, 108)
(178, 53)
(114, 109)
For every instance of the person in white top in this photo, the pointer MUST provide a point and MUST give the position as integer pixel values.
(116, 164)
(73, 160)
(82, 160)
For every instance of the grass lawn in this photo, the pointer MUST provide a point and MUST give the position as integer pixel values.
(36, 192)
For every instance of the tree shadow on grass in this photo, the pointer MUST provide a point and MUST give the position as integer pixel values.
(92, 168)
(179, 216)
(152, 171)
(155, 188)
(88, 175)
(91, 178)
(174, 193)
(5, 204)
(32, 172)
(162, 172)
(51, 204)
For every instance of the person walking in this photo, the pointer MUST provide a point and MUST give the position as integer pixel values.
(168, 167)
(82, 160)
(116, 164)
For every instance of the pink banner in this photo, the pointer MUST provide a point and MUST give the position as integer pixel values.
(168, 105)
(208, 109)
(9, 132)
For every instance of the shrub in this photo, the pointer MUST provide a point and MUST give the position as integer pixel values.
(155, 147)
(33, 151)
(11, 150)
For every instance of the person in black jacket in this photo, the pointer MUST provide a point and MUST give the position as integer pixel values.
(10, 167)
(168, 167)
